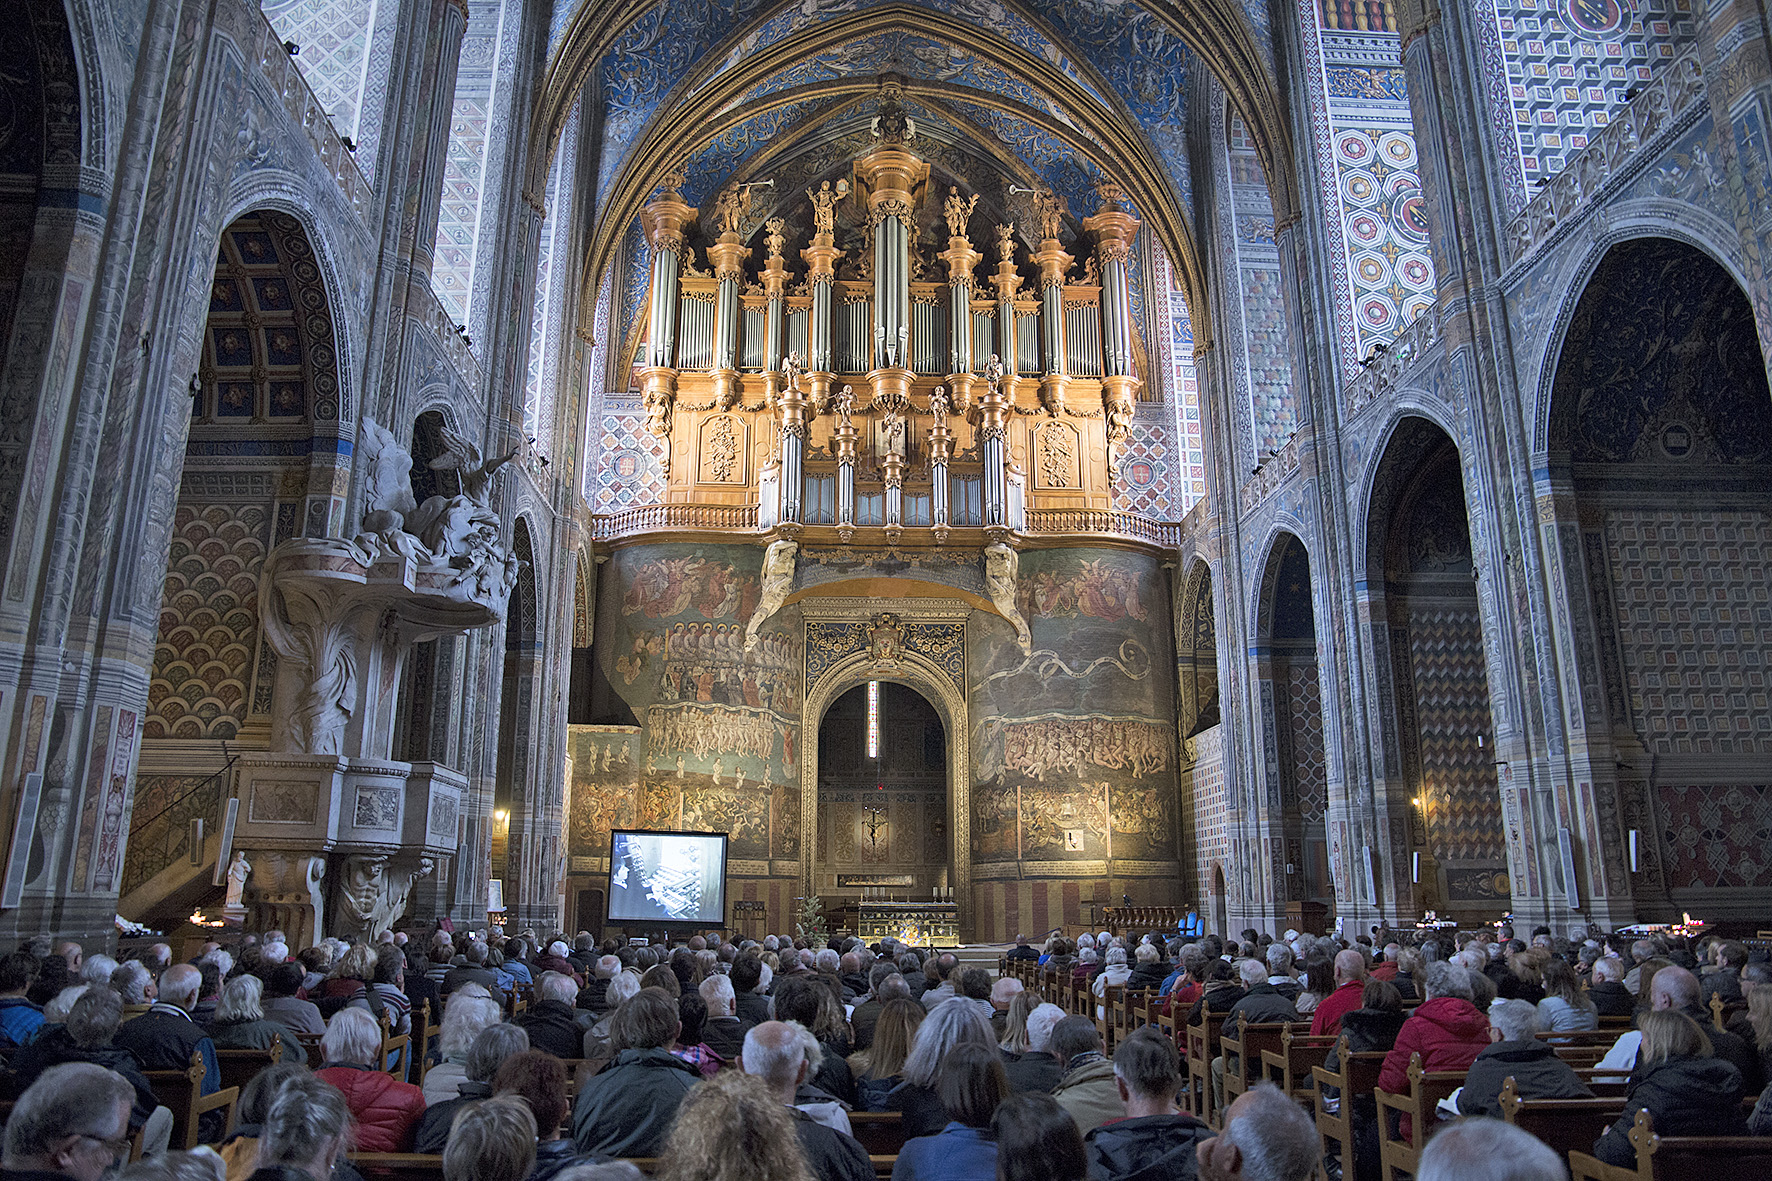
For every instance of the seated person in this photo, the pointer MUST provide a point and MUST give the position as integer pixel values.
(539, 1079)
(627, 1108)
(1517, 1050)
(386, 1110)
(491, 1048)
(1155, 1139)
(1685, 1090)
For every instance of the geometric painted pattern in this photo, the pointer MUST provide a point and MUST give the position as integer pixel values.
(1147, 483)
(1304, 711)
(1183, 394)
(1452, 716)
(1266, 340)
(208, 621)
(1692, 596)
(1560, 70)
(269, 338)
(333, 36)
(630, 459)
(543, 379)
(458, 216)
(1210, 839)
(1717, 836)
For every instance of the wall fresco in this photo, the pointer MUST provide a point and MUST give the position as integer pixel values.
(606, 762)
(1074, 744)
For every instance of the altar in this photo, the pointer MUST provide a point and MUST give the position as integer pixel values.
(920, 924)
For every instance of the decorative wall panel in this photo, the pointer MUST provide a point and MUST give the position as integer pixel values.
(1717, 836)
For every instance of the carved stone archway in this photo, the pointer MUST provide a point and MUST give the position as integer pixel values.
(897, 660)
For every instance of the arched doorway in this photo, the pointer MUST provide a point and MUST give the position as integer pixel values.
(260, 465)
(1296, 789)
(932, 684)
(882, 795)
(1660, 451)
(1441, 798)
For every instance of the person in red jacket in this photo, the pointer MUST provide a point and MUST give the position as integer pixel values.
(1447, 1030)
(386, 1109)
(1350, 983)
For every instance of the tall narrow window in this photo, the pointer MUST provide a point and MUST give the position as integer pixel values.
(873, 719)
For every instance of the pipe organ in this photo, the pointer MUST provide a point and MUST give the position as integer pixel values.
(892, 396)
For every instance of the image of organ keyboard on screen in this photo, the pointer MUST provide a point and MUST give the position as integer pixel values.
(667, 877)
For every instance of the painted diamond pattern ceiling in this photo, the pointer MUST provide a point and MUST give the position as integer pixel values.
(334, 38)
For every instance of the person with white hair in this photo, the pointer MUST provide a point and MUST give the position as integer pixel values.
(464, 1016)
(552, 1021)
(134, 983)
(778, 1053)
(98, 969)
(1114, 975)
(275, 952)
(1484, 1149)
(240, 1022)
(56, 1011)
(1517, 1051)
(1607, 991)
(73, 1122)
(1266, 1137)
(1446, 1029)
(621, 989)
(723, 1032)
(166, 1038)
(1038, 1069)
(386, 1109)
(557, 958)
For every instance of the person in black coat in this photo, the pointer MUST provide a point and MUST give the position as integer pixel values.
(1607, 991)
(777, 1056)
(749, 1005)
(798, 999)
(489, 1050)
(1368, 1029)
(1038, 1069)
(552, 1022)
(92, 1023)
(1517, 1053)
(1685, 1090)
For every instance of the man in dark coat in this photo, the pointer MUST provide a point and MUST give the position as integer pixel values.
(1607, 991)
(1038, 1069)
(1021, 950)
(1155, 1141)
(92, 1024)
(776, 1053)
(884, 983)
(1536, 1070)
(165, 1038)
(752, 1006)
(474, 971)
(552, 1022)
(628, 1107)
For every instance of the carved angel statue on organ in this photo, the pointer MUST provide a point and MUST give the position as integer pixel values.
(1006, 243)
(773, 238)
(1050, 206)
(845, 401)
(958, 210)
(993, 372)
(824, 205)
(730, 207)
(938, 407)
(791, 368)
(1091, 272)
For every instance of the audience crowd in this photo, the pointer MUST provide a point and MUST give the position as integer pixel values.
(553, 1059)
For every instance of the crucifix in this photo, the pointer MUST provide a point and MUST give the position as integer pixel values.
(876, 822)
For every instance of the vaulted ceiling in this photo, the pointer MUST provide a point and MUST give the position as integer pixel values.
(1058, 93)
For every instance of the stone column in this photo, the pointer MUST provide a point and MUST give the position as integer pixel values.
(663, 218)
(993, 433)
(795, 408)
(1115, 229)
(728, 257)
(1053, 263)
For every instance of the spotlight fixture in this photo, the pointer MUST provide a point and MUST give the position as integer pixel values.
(349, 143)
(292, 49)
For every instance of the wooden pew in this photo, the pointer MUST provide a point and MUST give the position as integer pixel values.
(1289, 1067)
(1567, 1125)
(311, 1043)
(418, 1166)
(390, 1042)
(1679, 1158)
(418, 1041)
(1201, 1047)
(180, 1092)
(1398, 1153)
(1243, 1045)
(1721, 1011)
(1355, 1074)
(880, 1132)
(239, 1066)
(1103, 1013)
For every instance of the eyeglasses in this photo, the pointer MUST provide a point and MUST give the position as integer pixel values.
(118, 1145)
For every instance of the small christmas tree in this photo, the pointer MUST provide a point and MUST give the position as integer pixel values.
(809, 924)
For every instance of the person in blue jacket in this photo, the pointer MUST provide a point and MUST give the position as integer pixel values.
(19, 1018)
(970, 1086)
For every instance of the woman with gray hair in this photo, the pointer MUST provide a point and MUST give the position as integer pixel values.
(307, 1130)
(464, 1016)
(240, 1022)
(386, 1109)
(491, 1048)
(954, 1022)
